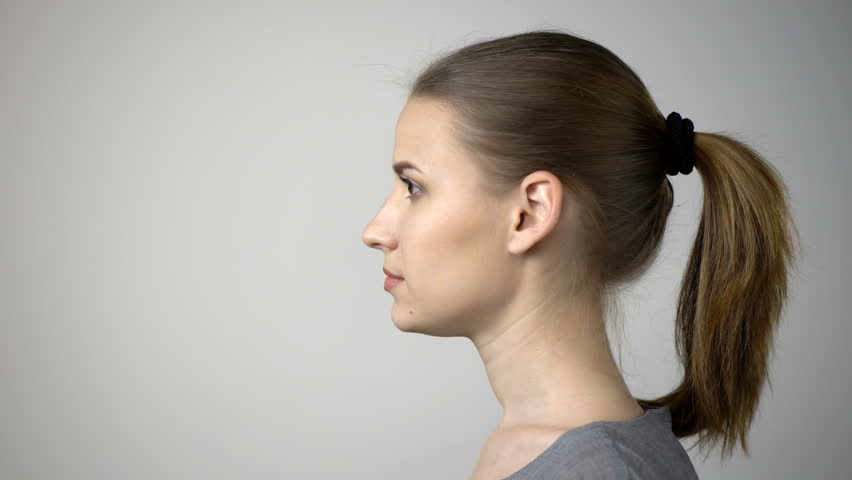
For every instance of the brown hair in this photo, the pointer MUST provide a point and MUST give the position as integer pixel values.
(548, 100)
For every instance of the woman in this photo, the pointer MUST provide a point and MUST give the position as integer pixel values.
(532, 186)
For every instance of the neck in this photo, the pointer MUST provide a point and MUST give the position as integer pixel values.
(551, 364)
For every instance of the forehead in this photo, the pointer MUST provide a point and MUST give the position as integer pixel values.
(423, 134)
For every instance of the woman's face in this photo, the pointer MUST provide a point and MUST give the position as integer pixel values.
(443, 233)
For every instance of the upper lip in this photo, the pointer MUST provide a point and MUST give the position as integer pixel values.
(389, 273)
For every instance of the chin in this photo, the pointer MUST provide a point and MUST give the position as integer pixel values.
(407, 321)
(404, 321)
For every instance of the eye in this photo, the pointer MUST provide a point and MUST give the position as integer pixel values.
(410, 185)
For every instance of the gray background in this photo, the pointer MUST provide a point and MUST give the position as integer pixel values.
(183, 189)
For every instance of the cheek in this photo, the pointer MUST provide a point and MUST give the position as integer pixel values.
(454, 257)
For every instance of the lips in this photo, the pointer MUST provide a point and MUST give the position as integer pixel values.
(391, 274)
(391, 282)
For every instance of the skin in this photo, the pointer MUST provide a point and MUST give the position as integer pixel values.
(471, 270)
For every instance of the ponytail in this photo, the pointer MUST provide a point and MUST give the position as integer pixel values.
(732, 294)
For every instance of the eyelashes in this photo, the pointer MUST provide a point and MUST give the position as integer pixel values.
(410, 185)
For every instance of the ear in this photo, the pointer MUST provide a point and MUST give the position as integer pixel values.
(537, 211)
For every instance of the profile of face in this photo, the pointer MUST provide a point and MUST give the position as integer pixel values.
(442, 232)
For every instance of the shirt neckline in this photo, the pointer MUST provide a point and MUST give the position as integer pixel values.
(648, 416)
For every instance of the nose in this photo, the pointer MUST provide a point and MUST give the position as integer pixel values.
(377, 234)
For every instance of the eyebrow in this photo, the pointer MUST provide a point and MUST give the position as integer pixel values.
(403, 165)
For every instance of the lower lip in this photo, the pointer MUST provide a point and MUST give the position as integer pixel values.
(391, 282)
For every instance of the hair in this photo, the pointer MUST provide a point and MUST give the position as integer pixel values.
(548, 100)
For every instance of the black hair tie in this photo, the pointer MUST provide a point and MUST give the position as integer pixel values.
(678, 145)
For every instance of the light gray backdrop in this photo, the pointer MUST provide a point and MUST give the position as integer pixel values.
(183, 189)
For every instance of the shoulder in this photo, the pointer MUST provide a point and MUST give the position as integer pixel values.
(604, 453)
(640, 449)
(507, 450)
(601, 464)
(553, 454)
(611, 452)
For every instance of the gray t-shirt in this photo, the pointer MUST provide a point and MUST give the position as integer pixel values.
(640, 449)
